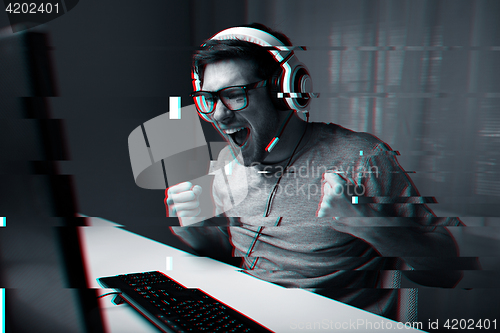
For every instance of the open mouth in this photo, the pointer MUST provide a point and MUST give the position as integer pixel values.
(239, 135)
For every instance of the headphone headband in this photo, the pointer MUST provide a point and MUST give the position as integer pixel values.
(255, 36)
(251, 35)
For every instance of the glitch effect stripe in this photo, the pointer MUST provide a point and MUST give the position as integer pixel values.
(170, 264)
(3, 221)
(175, 107)
(395, 200)
(2, 310)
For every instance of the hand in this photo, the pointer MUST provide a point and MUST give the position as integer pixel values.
(336, 198)
(182, 200)
(336, 202)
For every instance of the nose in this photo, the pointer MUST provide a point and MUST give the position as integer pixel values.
(221, 113)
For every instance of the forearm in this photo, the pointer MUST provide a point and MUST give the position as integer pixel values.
(207, 239)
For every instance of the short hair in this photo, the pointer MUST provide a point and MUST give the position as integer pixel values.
(218, 50)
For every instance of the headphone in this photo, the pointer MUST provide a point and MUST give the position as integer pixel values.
(290, 86)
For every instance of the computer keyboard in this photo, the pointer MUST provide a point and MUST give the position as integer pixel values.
(174, 308)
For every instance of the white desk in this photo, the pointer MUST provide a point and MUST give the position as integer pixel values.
(111, 250)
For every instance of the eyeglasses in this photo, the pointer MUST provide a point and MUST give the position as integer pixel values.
(234, 98)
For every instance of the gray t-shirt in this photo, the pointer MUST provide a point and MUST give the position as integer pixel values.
(304, 251)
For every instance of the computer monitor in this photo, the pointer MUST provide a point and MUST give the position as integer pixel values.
(43, 271)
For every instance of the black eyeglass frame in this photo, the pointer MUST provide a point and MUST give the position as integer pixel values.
(216, 95)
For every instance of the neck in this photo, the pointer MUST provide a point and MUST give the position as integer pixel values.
(289, 139)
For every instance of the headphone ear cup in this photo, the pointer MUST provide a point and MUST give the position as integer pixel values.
(302, 83)
(291, 78)
(274, 87)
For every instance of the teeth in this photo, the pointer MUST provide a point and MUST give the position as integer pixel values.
(233, 130)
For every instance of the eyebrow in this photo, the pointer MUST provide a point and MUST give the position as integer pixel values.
(233, 85)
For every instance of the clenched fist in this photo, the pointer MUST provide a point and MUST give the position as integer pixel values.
(182, 200)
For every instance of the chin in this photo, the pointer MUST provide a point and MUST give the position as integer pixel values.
(248, 156)
(245, 160)
(237, 154)
(252, 160)
(241, 157)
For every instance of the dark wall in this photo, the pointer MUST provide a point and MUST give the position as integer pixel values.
(116, 64)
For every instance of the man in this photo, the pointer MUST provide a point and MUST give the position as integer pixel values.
(292, 212)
